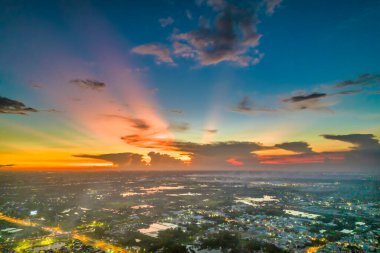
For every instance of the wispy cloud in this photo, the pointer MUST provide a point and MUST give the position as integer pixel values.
(362, 80)
(89, 84)
(179, 126)
(159, 51)
(176, 111)
(6, 165)
(135, 122)
(211, 131)
(119, 159)
(271, 5)
(246, 105)
(10, 106)
(164, 22)
(300, 98)
(189, 15)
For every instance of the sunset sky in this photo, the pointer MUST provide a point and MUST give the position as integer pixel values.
(198, 84)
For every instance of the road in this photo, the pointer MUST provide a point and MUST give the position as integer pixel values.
(100, 244)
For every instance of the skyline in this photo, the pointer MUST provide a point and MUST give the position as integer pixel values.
(190, 85)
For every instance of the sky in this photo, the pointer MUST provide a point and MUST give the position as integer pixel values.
(198, 84)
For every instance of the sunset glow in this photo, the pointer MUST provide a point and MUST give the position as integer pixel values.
(87, 89)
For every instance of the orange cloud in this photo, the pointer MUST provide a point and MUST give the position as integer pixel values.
(235, 162)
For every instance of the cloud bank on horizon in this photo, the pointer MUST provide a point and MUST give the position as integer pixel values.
(203, 84)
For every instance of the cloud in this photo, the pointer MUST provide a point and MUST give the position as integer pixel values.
(135, 122)
(216, 155)
(179, 126)
(203, 156)
(211, 131)
(175, 111)
(119, 159)
(160, 52)
(271, 5)
(183, 50)
(361, 141)
(164, 22)
(215, 4)
(148, 140)
(6, 165)
(314, 101)
(300, 98)
(158, 160)
(297, 146)
(89, 84)
(247, 106)
(365, 153)
(223, 155)
(362, 80)
(347, 92)
(231, 38)
(129, 160)
(10, 106)
(189, 15)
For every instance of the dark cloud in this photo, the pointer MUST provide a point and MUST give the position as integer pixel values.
(175, 111)
(139, 123)
(134, 122)
(136, 161)
(202, 155)
(158, 160)
(179, 126)
(347, 92)
(314, 101)
(211, 131)
(50, 110)
(228, 147)
(232, 37)
(217, 155)
(160, 52)
(299, 98)
(223, 155)
(120, 159)
(361, 141)
(364, 155)
(297, 146)
(164, 22)
(10, 106)
(362, 80)
(247, 106)
(89, 84)
(36, 85)
(6, 165)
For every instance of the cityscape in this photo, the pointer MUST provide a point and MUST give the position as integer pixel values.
(189, 212)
